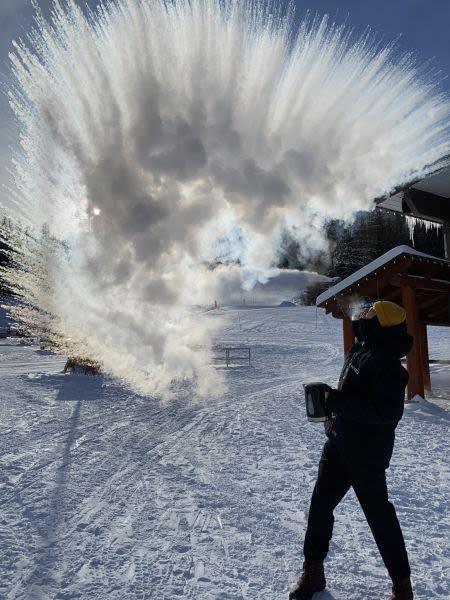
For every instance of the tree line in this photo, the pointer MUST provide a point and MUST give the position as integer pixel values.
(347, 248)
(352, 246)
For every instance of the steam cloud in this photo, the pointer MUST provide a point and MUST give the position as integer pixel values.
(196, 129)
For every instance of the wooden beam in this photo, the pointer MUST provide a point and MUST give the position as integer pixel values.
(444, 309)
(435, 299)
(349, 338)
(437, 316)
(394, 295)
(419, 283)
(432, 270)
(424, 356)
(413, 359)
(437, 322)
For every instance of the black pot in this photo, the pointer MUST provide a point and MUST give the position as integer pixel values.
(315, 401)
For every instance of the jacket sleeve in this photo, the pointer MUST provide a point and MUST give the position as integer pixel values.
(383, 405)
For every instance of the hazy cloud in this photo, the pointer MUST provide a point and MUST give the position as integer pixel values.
(196, 130)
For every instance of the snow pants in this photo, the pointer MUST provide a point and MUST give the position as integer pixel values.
(333, 482)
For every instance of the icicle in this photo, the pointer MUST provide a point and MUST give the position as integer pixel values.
(413, 221)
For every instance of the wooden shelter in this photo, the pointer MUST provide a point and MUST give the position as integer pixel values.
(419, 282)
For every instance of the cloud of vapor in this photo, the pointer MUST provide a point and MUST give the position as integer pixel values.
(226, 286)
(195, 129)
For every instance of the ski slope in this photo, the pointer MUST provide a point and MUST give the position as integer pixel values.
(108, 495)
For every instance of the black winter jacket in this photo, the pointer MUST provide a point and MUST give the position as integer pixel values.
(372, 386)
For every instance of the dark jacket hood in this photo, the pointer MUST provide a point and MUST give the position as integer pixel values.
(394, 340)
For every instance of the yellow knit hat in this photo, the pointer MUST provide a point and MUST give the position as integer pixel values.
(389, 313)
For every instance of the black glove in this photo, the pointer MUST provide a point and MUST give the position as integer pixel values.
(334, 400)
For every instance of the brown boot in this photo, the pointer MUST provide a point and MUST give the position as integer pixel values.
(402, 590)
(312, 580)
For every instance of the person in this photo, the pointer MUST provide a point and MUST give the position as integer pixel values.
(364, 411)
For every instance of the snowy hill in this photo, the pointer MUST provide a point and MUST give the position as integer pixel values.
(109, 495)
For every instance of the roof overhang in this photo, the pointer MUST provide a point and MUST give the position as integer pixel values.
(427, 198)
(384, 279)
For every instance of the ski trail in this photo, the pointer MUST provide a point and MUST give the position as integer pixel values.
(108, 495)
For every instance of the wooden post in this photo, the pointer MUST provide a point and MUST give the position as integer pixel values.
(349, 338)
(413, 359)
(424, 356)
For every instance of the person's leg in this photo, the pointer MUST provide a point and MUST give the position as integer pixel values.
(371, 491)
(331, 486)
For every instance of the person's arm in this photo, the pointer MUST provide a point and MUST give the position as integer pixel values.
(384, 405)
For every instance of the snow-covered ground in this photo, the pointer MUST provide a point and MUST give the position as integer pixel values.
(108, 495)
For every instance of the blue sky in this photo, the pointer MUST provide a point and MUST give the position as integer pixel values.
(419, 26)
(422, 24)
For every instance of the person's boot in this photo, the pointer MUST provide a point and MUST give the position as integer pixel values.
(311, 580)
(402, 590)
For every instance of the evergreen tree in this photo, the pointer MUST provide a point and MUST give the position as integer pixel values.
(373, 234)
(6, 234)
